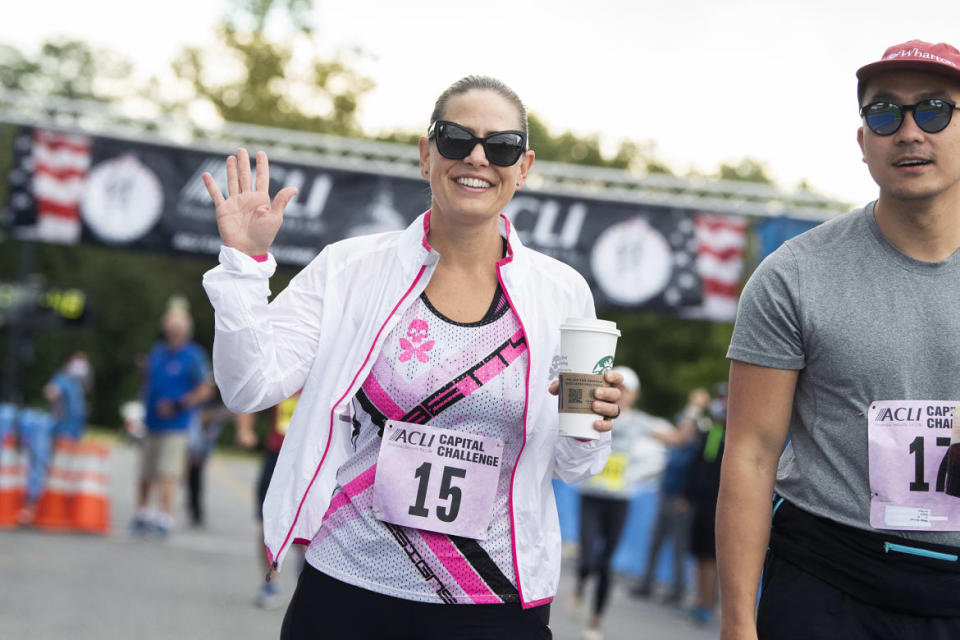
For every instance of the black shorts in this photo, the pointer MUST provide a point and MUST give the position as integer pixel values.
(323, 608)
(703, 530)
(267, 465)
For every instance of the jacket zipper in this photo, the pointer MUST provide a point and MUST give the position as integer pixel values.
(376, 339)
(526, 405)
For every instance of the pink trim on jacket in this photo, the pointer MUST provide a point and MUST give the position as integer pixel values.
(526, 404)
(326, 449)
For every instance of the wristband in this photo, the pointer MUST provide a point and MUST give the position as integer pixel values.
(261, 258)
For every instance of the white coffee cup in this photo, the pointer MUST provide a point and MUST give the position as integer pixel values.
(587, 349)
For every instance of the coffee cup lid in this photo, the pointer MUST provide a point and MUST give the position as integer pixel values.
(590, 324)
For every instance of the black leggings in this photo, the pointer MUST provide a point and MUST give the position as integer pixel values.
(601, 521)
(323, 608)
(195, 491)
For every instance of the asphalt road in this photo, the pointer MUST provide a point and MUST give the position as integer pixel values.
(199, 583)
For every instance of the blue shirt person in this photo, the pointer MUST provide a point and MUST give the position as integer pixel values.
(177, 383)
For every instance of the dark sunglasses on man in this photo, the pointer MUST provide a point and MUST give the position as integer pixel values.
(932, 115)
(502, 148)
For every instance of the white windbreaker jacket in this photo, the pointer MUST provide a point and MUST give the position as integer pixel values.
(323, 333)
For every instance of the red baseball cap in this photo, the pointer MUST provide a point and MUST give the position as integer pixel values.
(915, 55)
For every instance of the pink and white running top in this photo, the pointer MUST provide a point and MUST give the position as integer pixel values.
(462, 377)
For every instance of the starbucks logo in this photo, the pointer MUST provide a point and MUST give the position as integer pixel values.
(604, 364)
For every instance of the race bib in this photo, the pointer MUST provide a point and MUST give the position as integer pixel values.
(285, 413)
(612, 476)
(437, 479)
(912, 471)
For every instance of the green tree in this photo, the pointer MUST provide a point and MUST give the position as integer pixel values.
(746, 170)
(572, 148)
(671, 355)
(272, 85)
(67, 68)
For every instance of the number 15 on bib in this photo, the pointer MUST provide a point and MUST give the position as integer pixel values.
(436, 479)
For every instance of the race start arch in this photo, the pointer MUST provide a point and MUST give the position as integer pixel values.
(89, 172)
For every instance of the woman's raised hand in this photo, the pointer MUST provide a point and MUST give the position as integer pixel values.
(247, 220)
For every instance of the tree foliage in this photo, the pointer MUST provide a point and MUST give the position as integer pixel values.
(745, 170)
(671, 355)
(587, 150)
(271, 83)
(66, 68)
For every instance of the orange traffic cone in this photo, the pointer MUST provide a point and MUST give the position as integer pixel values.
(55, 504)
(91, 501)
(13, 481)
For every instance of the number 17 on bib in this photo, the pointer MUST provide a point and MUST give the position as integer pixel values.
(914, 448)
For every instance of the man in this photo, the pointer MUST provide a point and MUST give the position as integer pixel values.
(177, 382)
(847, 338)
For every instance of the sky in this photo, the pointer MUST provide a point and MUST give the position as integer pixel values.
(707, 81)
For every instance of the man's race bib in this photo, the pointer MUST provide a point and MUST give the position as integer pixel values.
(911, 479)
(437, 479)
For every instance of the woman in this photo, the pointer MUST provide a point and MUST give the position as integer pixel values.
(424, 357)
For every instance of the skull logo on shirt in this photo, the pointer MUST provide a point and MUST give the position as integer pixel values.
(417, 344)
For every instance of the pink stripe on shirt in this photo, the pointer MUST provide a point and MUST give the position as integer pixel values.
(381, 398)
(510, 352)
(352, 489)
(459, 569)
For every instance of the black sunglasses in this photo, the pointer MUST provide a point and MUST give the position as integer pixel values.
(502, 148)
(885, 118)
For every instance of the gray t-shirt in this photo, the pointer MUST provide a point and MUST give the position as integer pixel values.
(861, 321)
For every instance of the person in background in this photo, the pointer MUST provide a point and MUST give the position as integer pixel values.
(177, 382)
(673, 512)
(635, 458)
(202, 435)
(702, 488)
(66, 393)
(268, 593)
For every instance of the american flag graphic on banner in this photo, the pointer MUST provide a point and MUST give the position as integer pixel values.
(47, 184)
(720, 244)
